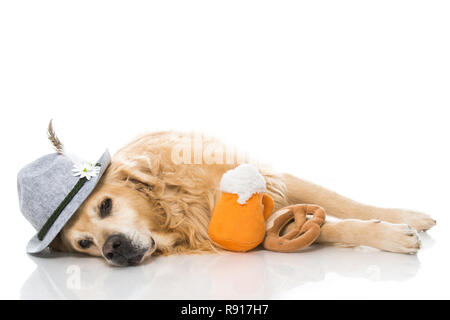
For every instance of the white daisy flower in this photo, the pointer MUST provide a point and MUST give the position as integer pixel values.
(85, 170)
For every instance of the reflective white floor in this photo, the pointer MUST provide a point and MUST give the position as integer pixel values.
(319, 272)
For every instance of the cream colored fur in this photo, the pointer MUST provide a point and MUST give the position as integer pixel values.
(173, 202)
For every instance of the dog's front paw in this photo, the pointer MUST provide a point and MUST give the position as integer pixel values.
(399, 238)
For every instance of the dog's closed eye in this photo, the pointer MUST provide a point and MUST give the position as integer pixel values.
(105, 207)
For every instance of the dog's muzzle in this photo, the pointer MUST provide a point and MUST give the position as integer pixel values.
(120, 251)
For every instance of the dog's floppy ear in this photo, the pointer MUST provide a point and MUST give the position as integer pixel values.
(181, 194)
(142, 182)
(139, 173)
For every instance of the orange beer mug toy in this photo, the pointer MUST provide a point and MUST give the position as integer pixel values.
(239, 220)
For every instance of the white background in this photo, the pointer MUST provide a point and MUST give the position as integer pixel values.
(353, 95)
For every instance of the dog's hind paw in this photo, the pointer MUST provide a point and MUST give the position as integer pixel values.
(417, 220)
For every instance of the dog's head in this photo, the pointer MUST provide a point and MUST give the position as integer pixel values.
(143, 205)
(133, 214)
(114, 222)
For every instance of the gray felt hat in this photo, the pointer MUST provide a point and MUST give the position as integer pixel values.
(50, 193)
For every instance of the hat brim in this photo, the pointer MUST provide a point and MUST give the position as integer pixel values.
(35, 245)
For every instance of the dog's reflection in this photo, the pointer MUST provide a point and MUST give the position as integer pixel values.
(254, 275)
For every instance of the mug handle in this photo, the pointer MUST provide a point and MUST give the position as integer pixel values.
(268, 206)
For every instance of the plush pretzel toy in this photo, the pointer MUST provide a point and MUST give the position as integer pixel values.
(238, 222)
(300, 232)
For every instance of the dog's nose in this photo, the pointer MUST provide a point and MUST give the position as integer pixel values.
(119, 250)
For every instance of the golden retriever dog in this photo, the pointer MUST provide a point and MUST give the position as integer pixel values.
(158, 194)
